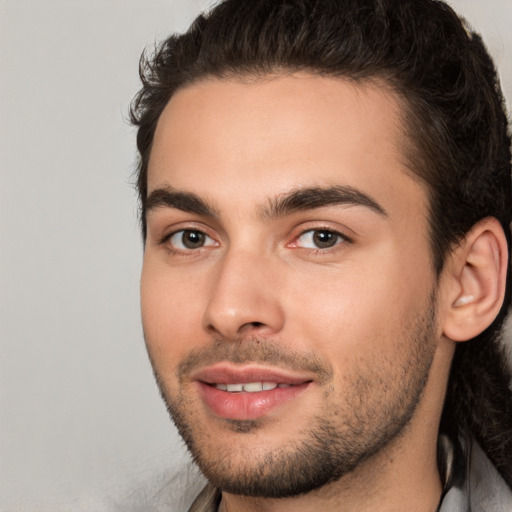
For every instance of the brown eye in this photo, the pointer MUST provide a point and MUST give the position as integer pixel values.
(188, 239)
(192, 239)
(325, 239)
(319, 239)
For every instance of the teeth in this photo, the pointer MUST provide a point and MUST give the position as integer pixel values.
(234, 387)
(253, 387)
(250, 387)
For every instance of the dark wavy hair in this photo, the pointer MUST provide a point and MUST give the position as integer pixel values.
(457, 140)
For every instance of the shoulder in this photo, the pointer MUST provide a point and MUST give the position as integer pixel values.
(476, 484)
(489, 492)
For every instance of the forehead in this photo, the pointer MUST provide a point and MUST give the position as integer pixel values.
(242, 141)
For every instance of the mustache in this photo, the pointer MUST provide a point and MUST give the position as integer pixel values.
(255, 350)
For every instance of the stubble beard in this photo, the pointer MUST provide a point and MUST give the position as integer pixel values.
(375, 407)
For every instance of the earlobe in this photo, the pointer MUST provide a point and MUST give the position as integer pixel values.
(476, 281)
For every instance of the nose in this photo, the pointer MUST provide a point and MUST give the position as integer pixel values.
(244, 298)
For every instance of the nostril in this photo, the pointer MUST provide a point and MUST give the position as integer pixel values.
(249, 326)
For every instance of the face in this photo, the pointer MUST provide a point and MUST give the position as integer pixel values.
(288, 297)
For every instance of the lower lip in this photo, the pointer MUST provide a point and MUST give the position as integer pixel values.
(247, 406)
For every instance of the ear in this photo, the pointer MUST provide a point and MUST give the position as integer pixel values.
(474, 281)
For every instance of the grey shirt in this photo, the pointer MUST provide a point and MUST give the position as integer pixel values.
(475, 485)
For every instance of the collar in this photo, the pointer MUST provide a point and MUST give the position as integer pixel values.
(473, 484)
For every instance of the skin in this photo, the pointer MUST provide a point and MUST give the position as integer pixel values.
(365, 308)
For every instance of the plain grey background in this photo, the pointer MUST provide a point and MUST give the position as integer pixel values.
(81, 422)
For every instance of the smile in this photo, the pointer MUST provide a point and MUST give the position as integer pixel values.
(249, 391)
(251, 387)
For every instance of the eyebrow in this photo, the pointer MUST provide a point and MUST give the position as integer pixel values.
(185, 201)
(319, 197)
(285, 204)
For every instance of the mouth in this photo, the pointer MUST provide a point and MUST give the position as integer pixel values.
(249, 392)
(251, 387)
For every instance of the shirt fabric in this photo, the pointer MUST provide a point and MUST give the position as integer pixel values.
(472, 483)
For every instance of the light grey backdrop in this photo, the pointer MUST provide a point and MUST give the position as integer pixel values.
(81, 423)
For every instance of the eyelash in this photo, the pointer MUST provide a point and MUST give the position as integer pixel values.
(340, 239)
(166, 240)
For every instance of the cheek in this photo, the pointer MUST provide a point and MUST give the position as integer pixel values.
(342, 324)
(357, 314)
(171, 314)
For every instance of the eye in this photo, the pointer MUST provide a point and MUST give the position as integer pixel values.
(188, 239)
(319, 239)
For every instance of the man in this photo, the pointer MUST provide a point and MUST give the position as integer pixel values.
(326, 206)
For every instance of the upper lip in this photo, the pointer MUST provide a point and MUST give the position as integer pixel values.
(227, 373)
